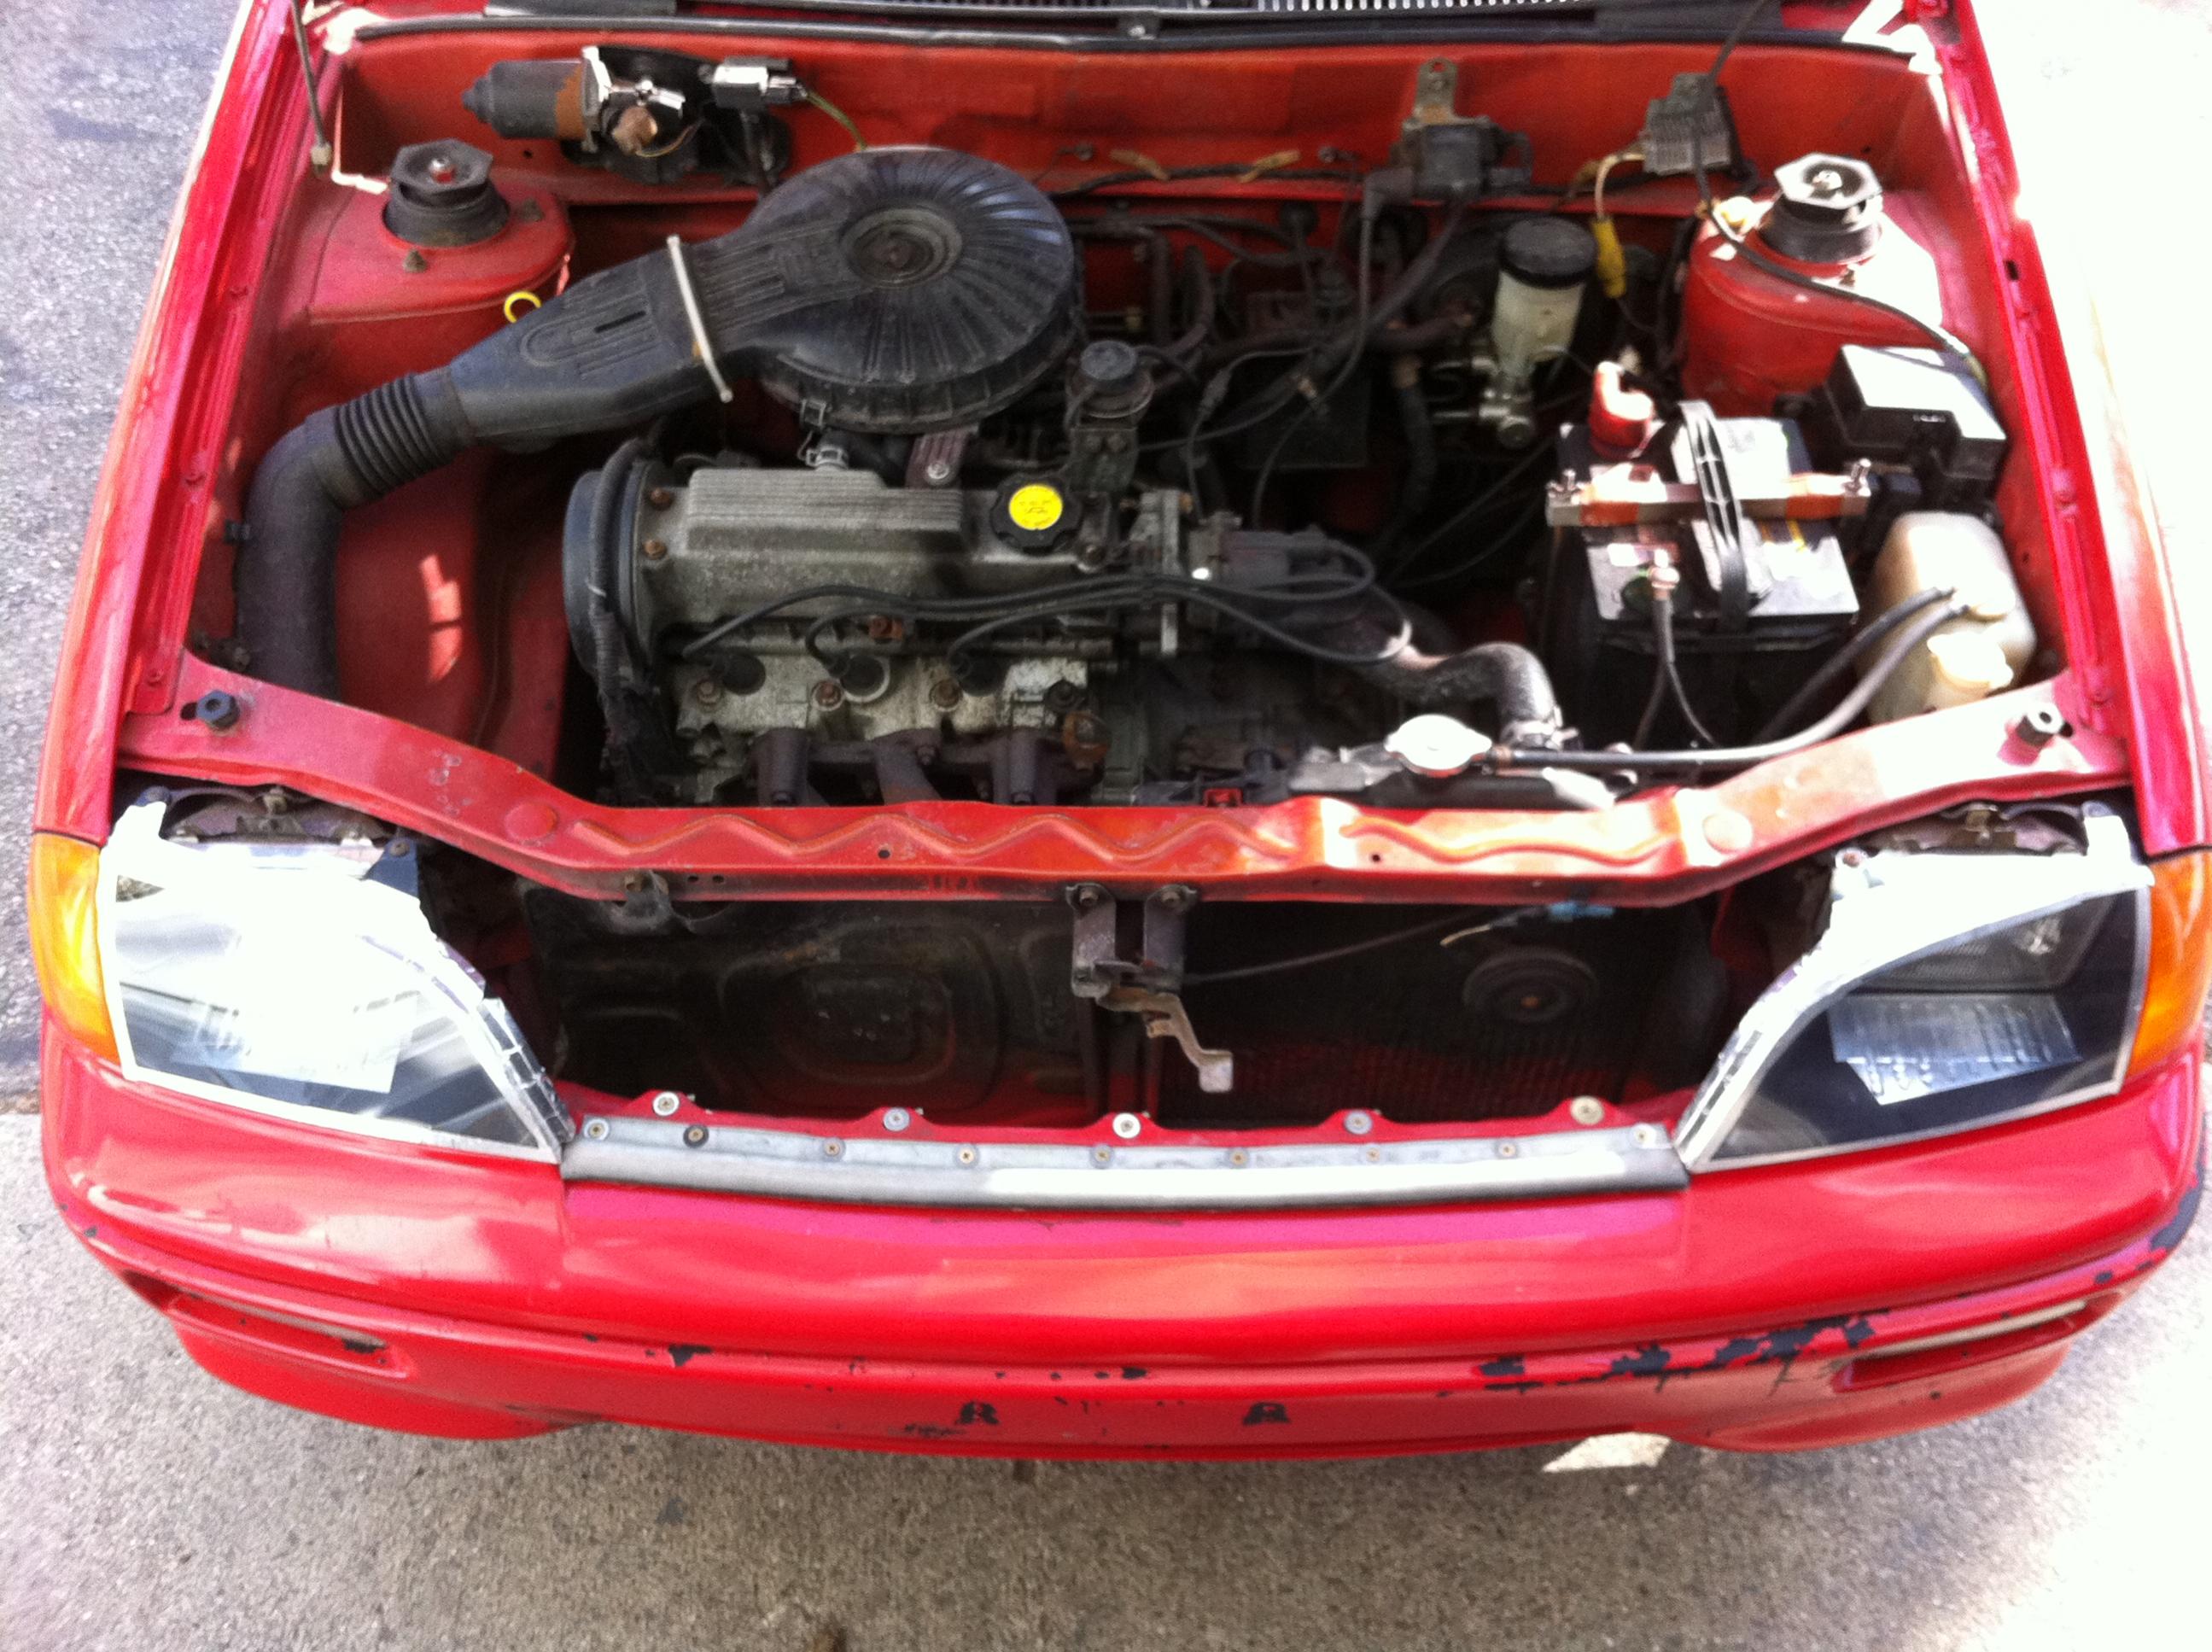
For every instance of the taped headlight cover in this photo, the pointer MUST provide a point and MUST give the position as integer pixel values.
(289, 978)
(1951, 990)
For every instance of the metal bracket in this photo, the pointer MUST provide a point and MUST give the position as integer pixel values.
(1147, 985)
(1436, 94)
(1164, 1017)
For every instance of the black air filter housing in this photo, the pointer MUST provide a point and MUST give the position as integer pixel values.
(895, 290)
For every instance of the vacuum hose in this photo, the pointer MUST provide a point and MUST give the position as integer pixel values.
(945, 263)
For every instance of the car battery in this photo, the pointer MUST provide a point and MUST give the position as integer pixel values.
(1732, 516)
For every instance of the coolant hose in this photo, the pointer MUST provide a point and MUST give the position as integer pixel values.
(1504, 674)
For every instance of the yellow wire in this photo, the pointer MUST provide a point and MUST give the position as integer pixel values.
(837, 115)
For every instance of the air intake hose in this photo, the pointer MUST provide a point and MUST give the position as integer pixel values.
(890, 291)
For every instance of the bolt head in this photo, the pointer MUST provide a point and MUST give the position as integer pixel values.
(1358, 1123)
(2039, 726)
(897, 1119)
(666, 1103)
(945, 694)
(595, 1130)
(695, 1136)
(1127, 1125)
(660, 498)
(655, 550)
(829, 695)
(1586, 1110)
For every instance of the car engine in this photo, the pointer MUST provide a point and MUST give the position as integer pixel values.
(939, 483)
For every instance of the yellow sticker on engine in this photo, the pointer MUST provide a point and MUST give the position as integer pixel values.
(1035, 507)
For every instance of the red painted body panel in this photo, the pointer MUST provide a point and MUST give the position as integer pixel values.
(507, 1303)
(496, 1286)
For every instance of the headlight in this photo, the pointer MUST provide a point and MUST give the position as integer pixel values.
(1950, 991)
(302, 978)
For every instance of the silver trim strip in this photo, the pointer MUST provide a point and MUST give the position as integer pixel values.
(1107, 1176)
(692, 314)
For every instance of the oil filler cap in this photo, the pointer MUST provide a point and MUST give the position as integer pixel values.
(1032, 514)
(443, 196)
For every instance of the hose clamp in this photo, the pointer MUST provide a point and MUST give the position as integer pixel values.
(693, 314)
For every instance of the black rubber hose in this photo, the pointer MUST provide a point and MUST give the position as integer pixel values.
(1809, 692)
(1420, 433)
(1745, 756)
(341, 457)
(1504, 674)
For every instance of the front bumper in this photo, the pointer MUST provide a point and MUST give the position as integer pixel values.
(1803, 1305)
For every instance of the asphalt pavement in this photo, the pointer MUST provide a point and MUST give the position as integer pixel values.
(143, 1505)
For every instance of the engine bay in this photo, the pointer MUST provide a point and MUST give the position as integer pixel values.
(696, 440)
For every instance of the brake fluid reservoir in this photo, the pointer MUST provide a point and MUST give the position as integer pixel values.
(1543, 265)
(1982, 652)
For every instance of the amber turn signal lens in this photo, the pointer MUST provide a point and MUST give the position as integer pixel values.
(2180, 961)
(65, 939)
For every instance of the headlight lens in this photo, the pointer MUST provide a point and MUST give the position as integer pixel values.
(1950, 990)
(300, 979)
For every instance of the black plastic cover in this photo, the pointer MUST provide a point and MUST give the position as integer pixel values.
(897, 290)
(1919, 407)
(1549, 252)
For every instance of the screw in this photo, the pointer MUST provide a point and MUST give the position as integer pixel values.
(831, 1147)
(1086, 897)
(827, 694)
(655, 550)
(897, 1119)
(1238, 1156)
(695, 1136)
(1102, 1155)
(1508, 1149)
(707, 691)
(1358, 1123)
(595, 1130)
(1646, 1136)
(666, 1103)
(966, 1155)
(2039, 726)
(1851, 856)
(1177, 898)
(660, 498)
(1586, 1109)
(945, 694)
(937, 472)
(1127, 1125)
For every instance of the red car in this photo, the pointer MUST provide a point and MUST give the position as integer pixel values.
(1204, 731)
